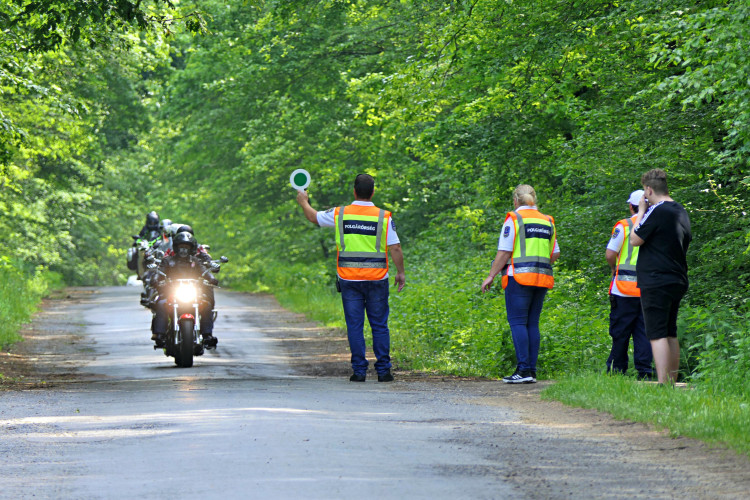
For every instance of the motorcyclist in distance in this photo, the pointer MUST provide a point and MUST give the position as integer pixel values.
(165, 243)
(162, 244)
(150, 231)
(183, 265)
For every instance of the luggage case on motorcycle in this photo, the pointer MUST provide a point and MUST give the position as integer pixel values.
(132, 258)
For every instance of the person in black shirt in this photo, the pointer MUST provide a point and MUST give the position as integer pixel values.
(662, 231)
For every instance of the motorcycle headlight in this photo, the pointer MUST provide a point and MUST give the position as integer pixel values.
(186, 293)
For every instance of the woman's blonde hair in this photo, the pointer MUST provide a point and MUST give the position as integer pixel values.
(525, 195)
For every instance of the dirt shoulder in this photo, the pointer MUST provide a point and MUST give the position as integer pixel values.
(52, 347)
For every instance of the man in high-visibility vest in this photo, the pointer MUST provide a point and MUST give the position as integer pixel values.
(365, 236)
(626, 315)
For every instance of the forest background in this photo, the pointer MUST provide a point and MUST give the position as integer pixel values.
(201, 110)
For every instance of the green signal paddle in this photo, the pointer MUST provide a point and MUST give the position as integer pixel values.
(300, 179)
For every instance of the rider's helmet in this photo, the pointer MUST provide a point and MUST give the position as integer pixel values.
(184, 245)
(164, 226)
(174, 228)
(152, 221)
(185, 228)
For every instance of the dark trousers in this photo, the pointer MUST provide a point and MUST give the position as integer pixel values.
(625, 321)
(359, 297)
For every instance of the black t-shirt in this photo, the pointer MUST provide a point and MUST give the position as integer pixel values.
(662, 258)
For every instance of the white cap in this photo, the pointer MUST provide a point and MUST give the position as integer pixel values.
(635, 197)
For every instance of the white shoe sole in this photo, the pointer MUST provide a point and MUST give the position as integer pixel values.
(527, 380)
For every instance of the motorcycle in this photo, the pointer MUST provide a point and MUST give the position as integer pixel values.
(150, 255)
(136, 256)
(184, 297)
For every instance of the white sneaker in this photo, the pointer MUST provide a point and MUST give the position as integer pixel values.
(519, 378)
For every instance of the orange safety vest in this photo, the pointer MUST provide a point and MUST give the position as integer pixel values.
(361, 242)
(626, 260)
(533, 246)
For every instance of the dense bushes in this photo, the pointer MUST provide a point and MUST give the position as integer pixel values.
(20, 291)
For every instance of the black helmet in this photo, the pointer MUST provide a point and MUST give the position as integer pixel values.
(181, 240)
(152, 221)
(185, 229)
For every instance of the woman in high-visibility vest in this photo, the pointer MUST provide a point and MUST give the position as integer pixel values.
(526, 251)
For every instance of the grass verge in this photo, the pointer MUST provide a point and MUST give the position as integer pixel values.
(709, 415)
(20, 292)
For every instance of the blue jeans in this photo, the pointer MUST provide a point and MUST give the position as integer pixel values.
(372, 297)
(523, 305)
(626, 320)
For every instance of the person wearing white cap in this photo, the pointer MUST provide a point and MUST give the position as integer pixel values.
(626, 315)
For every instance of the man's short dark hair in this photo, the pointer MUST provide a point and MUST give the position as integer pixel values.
(656, 179)
(364, 186)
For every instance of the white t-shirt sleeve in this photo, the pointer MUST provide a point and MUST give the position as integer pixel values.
(507, 236)
(617, 239)
(326, 218)
(392, 238)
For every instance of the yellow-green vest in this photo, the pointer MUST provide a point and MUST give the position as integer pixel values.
(532, 248)
(361, 242)
(626, 260)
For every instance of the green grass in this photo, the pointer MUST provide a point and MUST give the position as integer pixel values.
(20, 292)
(698, 412)
(321, 306)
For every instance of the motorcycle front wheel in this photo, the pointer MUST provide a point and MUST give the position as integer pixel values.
(184, 355)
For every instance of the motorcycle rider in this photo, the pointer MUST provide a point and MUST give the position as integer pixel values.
(201, 250)
(183, 265)
(203, 256)
(154, 254)
(150, 231)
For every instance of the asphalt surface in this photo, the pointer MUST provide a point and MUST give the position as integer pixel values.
(242, 424)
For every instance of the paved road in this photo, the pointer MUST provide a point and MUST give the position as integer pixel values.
(241, 424)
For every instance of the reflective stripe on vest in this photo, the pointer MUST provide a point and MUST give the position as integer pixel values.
(533, 245)
(361, 242)
(626, 261)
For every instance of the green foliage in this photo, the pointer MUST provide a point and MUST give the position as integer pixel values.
(450, 106)
(43, 25)
(71, 169)
(717, 348)
(20, 291)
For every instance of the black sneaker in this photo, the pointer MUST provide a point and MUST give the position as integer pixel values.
(357, 377)
(209, 341)
(159, 340)
(386, 377)
(533, 375)
(520, 377)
